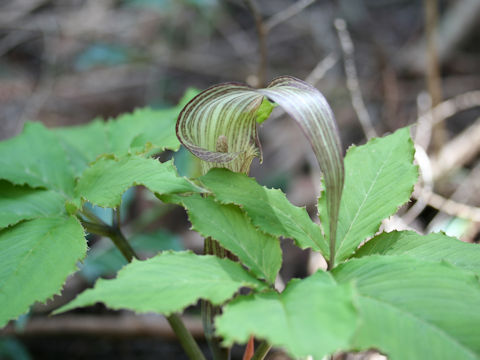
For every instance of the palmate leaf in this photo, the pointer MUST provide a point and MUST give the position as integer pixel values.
(233, 230)
(35, 158)
(168, 283)
(219, 126)
(432, 247)
(380, 176)
(19, 203)
(314, 316)
(106, 180)
(413, 309)
(36, 257)
(269, 209)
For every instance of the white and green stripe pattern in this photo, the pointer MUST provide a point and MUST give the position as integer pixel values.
(228, 111)
(221, 110)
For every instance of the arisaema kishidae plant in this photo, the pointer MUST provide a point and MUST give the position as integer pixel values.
(220, 127)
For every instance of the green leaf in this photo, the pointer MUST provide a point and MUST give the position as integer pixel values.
(379, 179)
(19, 203)
(36, 257)
(36, 158)
(314, 316)
(431, 247)
(83, 143)
(233, 230)
(144, 130)
(147, 130)
(107, 179)
(269, 209)
(413, 309)
(228, 112)
(168, 283)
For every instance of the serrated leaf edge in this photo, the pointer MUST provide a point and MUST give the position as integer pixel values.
(286, 213)
(395, 208)
(244, 284)
(73, 270)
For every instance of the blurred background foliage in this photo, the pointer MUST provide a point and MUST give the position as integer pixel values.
(66, 62)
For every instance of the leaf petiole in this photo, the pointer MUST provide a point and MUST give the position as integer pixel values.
(99, 227)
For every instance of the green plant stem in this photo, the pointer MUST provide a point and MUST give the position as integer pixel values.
(331, 260)
(115, 234)
(119, 239)
(261, 351)
(209, 311)
(100, 228)
(208, 315)
(186, 339)
(123, 245)
(95, 228)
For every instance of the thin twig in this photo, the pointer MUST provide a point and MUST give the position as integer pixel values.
(443, 111)
(321, 69)
(287, 13)
(433, 69)
(459, 151)
(458, 21)
(448, 206)
(352, 78)
(262, 41)
(463, 193)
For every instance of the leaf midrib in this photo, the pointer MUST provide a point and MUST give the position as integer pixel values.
(300, 226)
(240, 244)
(257, 224)
(360, 208)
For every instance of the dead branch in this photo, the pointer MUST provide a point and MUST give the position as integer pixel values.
(442, 112)
(433, 70)
(321, 69)
(286, 14)
(457, 152)
(457, 22)
(262, 42)
(352, 79)
(448, 206)
(463, 194)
